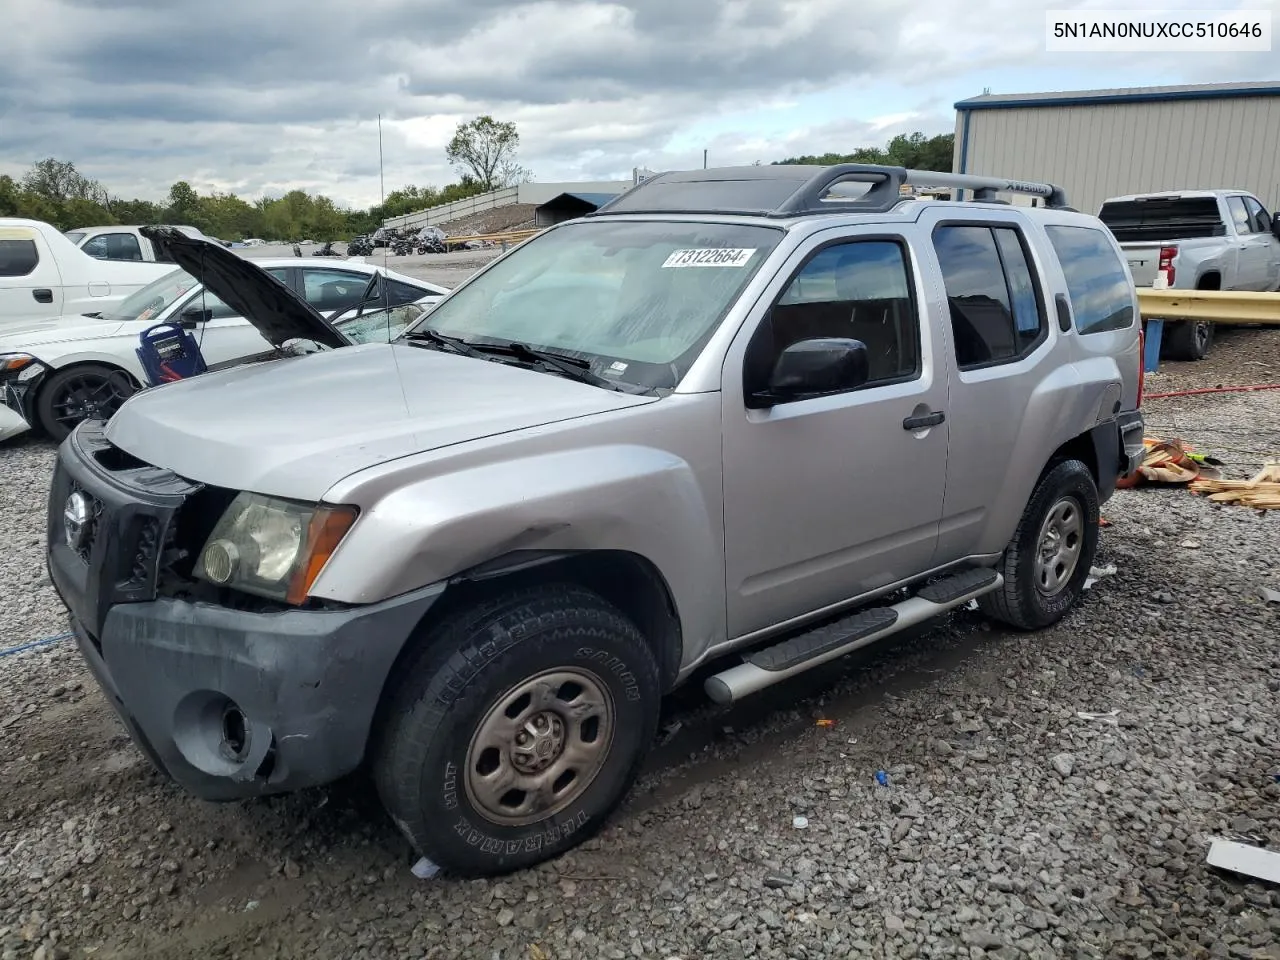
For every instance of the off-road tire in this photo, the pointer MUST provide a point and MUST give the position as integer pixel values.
(1019, 602)
(1187, 340)
(457, 675)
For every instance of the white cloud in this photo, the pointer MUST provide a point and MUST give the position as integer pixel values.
(258, 98)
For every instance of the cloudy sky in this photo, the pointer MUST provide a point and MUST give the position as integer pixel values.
(263, 96)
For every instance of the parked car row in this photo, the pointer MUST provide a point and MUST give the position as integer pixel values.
(58, 371)
(1196, 240)
(738, 419)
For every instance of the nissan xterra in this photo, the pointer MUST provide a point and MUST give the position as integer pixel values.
(758, 416)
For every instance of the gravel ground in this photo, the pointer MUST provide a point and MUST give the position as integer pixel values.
(1010, 825)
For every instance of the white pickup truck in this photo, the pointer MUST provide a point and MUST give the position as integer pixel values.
(1196, 240)
(43, 275)
(122, 243)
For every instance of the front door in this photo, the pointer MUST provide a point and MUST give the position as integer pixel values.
(30, 283)
(226, 336)
(828, 498)
(1268, 241)
(1253, 269)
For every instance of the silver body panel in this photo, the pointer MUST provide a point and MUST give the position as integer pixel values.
(756, 519)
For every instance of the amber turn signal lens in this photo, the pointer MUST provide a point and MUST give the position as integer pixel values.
(325, 531)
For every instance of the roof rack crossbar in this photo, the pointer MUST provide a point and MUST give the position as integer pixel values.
(812, 193)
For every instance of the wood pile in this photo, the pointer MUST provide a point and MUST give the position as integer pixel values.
(1261, 491)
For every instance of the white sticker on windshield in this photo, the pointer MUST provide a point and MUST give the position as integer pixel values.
(710, 257)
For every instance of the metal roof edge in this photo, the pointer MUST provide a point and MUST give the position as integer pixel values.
(1084, 100)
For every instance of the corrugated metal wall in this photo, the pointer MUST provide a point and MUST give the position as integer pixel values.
(1097, 152)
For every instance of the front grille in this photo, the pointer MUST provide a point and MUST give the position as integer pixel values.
(129, 535)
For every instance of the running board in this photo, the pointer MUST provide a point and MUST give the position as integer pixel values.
(763, 668)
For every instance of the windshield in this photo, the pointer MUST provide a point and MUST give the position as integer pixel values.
(153, 299)
(379, 326)
(636, 299)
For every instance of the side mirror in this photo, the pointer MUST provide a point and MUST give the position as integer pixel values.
(813, 368)
(192, 317)
(1275, 226)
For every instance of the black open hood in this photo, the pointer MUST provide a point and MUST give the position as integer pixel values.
(277, 312)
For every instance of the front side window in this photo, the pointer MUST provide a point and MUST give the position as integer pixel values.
(858, 290)
(637, 300)
(996, 313)
(1101, 297)
(204, 300)
(18, 258)
(1261, 219)
(1239, 215)
(113, 246)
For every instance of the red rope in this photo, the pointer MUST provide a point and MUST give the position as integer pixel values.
(1193, 393)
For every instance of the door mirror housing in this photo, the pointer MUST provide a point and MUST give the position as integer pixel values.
(1275, 226)
(193, 317)
(814, 368)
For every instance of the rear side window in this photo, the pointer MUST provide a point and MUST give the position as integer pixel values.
(1101, 297)
(1239, 215)
(996, 308)
(17, 257)
(1163, 218)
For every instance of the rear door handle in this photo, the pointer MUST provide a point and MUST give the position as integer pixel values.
(43, 295)
(928, 420)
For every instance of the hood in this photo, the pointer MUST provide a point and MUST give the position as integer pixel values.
(277, 312)
(294, 427)
(21, 337)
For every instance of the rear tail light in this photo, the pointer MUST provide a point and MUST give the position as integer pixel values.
(1166, 263)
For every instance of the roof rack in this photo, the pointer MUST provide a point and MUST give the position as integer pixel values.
(791, 190)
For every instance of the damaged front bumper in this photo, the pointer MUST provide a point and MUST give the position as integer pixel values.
(228, 702)
(17, 398)
(233, 704)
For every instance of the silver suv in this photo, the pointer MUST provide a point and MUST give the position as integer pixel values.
(763, 416)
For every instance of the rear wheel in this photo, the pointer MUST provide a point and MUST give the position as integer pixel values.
(1047, 560)
(88, 391)
(1189, 340)
(517, 729)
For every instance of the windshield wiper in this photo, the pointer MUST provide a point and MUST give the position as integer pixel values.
(574, 367)
(455, 344)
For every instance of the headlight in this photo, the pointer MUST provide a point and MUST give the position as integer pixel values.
(11, 363)
(272, 548)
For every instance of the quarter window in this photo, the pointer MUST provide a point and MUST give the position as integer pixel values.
(1101, 297)
(996, 309)
(17, 257)
(859, 290)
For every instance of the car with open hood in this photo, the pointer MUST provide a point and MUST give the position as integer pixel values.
(752, 419)
(56, 372)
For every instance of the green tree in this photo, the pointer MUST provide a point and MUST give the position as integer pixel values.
(914, 151)
(183, 204)
(485, 149)
(9, 195)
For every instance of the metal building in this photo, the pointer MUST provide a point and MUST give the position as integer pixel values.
(1104, 143)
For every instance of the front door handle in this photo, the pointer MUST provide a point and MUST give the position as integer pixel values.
(43, 295)
(920, 423)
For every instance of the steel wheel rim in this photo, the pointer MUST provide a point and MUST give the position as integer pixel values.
(1058, 546)
(85, 396)
(539, 747)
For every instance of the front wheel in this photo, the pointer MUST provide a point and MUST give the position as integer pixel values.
(1048, 559)
(89, 391)
(517, 729)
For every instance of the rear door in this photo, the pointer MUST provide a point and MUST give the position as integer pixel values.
(30, 282)
(1002, 355)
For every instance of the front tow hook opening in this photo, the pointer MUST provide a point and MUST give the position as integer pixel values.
(235, 734)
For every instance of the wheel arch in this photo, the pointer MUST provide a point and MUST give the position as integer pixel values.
(79, 362)
(627, 580)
